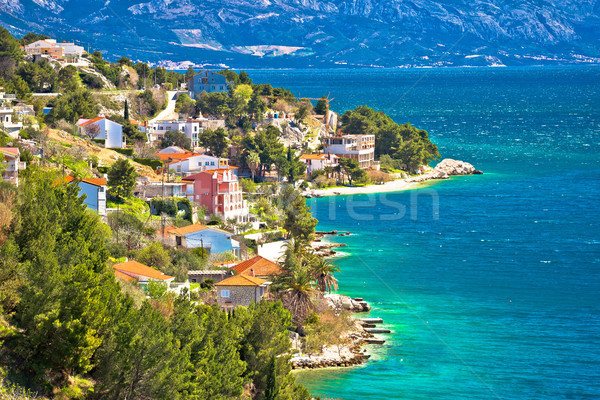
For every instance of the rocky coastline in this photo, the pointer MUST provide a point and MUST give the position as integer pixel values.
(346, 355)
(445, 169)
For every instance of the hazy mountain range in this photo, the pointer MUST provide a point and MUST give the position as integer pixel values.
(302, 33)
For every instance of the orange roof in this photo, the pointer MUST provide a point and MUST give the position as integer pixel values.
(175, 156)
(11, 150)
(312, 156)
(134, 267)
(242, 280)
(167, 230)
(91, 181)
(91, 121)
(187, 229)
(218, 264)
(260, 265)
(126, 278)
(194, 228)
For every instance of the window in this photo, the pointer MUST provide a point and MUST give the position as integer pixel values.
(224, 293)
(101, 189)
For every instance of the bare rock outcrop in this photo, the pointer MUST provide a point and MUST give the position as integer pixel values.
(447, 168)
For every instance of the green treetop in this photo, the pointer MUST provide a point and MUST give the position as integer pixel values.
(121, 179)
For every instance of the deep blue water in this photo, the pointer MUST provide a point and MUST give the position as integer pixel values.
(495, 292)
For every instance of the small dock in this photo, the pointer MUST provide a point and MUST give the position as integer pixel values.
(377, 330)
(374, 341)
(372, 320)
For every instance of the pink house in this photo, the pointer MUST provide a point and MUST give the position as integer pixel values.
(218, 190)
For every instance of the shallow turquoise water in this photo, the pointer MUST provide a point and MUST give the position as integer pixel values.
(489, 283)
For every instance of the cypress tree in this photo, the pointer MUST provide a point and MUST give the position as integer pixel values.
(272, 391)
(126, 112)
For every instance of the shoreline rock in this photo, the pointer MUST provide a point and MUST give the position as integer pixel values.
(445, 169)
(348, 355)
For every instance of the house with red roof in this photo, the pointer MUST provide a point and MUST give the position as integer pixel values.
(103, 128)
(132, 271)
(218, 190)
(240, 290)
(319, 161)
(94, 190)
(135, 272)
(10, 157)
(258, 267)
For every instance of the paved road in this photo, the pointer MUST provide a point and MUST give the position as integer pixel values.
(169, 112)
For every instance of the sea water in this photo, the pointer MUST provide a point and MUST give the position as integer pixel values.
(491, 283)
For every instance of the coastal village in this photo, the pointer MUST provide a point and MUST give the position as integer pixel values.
(201, 180)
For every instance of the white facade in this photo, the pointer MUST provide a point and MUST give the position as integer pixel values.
(110, 131)
(315, 162)
(10, 157)
(358, 147)
(192, 128)
(198, 163)
(6, 122)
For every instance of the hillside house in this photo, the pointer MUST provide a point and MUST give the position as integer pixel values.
(62, 51)
(218, 190)
(95, 192)
(240, 290)
(207, 81)
(10, 158)
(195, 163)
(315, 162)
(105, 129)
(213, 239)
(259, 267)
(133, 271)
(359, 147)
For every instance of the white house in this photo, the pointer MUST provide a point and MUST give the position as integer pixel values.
(198, 163)
(60, 51)
(95, 192)
(10, 157)
(358, 147)
(192, 128)
(110, 131)
(316, 162)
(213, 239)
(6, 122)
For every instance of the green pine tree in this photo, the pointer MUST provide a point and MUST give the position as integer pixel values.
(272, 391)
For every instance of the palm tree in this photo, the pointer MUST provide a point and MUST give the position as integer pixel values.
(322, 271)
(297, 287)
(253, 161)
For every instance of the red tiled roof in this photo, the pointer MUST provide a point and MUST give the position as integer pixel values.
(134, 267)
(312, 156)
(259, 265)
(187, 229)
(11, 150)
(125, 277)
(91, 121)
(241, 280)
(175, 156)
(91, 181)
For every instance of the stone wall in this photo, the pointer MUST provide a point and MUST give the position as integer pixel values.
(239, 295)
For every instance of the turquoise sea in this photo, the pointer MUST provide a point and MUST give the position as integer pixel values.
(491, 283)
